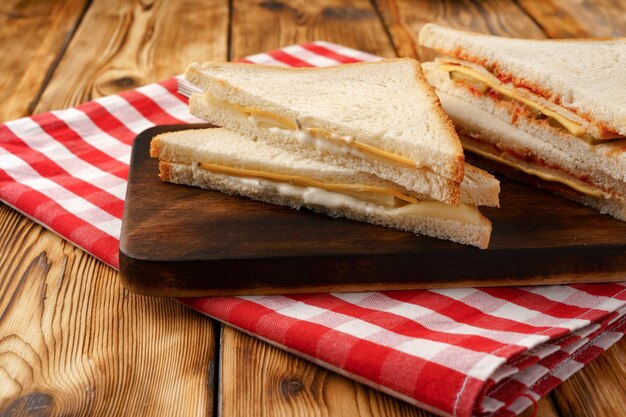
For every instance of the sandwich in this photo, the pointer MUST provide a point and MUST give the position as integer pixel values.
(548, 112)
(381, 118)
(226, 161)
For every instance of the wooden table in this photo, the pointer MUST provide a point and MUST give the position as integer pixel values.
(74, 342)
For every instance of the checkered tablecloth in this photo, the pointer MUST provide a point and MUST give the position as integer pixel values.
(458, 352)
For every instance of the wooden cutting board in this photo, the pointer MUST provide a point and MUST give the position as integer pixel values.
(183, 241)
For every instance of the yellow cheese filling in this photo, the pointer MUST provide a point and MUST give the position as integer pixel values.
(368, 149)
(368, 192)
(579, 186)
(268, 119)
(573, 127)
(408, 206)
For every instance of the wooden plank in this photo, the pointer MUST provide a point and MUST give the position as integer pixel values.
(599, 389)
(124, 44)
(33, 36)
(578, 19)
(261, 26)
(74, 342)
(405, 18)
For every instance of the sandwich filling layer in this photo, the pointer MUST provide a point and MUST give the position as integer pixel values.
(553, 175)
(310, 136)
(365, 192)
(480, 83)
(354, 196)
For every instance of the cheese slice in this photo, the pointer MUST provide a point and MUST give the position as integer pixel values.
(579, 186)
(267, 119)
(574, 128)
(336, 195)
(369, 190)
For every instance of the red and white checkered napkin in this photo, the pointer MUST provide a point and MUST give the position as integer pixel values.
(455, 352)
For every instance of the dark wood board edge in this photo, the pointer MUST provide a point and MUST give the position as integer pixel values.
(136, 153)
(194, 284)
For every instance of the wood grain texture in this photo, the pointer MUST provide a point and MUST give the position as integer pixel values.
(73, 342)
(405, 19)
(578, 19)
(265, 25)
(261, 380)
(599, 389)
(123, 44)
(33, 37)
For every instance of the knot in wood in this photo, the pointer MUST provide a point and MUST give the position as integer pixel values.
(290, 387)
(347, 13)
(125, 82)
(13, 15)
(34, 404)
(273, 5)
(279, 6)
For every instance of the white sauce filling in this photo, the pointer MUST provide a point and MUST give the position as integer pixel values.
(304, 137)
(313, 196)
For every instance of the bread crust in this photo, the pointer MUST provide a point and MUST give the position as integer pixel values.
(457, 171)
(155, 147)
(165, 171)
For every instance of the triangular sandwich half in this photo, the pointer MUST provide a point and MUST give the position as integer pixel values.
(549, 112)
(379, 117)
(226, 161)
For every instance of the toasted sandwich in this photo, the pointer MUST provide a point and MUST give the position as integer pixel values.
(379, 117)
(548, 112)
(220, 159)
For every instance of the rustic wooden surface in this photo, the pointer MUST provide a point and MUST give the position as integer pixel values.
(578, 19)
(405, 19)
(33, 36)
(73, 342)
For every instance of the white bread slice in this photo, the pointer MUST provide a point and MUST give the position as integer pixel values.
(479, 127)
(181, 152)
(479, 188)
(584, 75)
(386, 104)
(226, 147)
